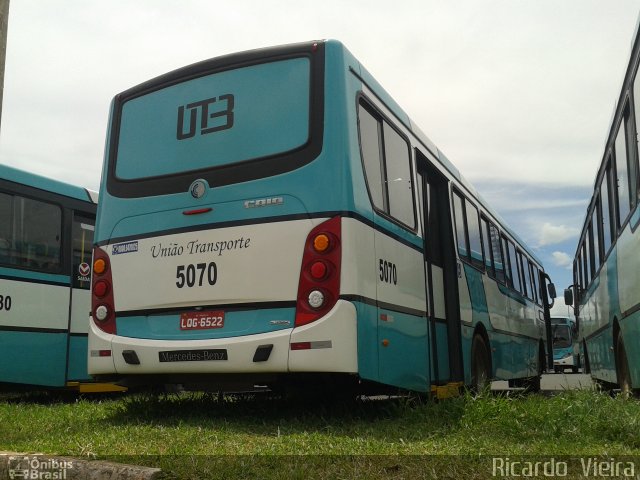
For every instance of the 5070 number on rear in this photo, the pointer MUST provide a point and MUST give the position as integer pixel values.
(196, 275)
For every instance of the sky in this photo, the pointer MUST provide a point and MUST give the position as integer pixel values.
(518, 94)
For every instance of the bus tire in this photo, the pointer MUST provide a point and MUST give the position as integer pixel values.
(480, 364)
(622, 368)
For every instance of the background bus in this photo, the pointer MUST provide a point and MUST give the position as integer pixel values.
(46, 235)
(606, 273)
(274, 216)
(565, 345)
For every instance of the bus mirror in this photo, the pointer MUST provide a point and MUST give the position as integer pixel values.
(568, 296)
(552, 290)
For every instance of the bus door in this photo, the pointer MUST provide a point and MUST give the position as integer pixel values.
(440, 275)
(82, 242)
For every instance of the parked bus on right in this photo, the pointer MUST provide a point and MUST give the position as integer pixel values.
(606, 270)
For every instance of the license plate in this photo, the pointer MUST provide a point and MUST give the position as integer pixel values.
(201, 320)
(193, 355)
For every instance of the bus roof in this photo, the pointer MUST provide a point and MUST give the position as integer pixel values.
(29, 179)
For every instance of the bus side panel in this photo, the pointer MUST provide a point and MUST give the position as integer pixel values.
(358, 280)
(78, 331)
(514, 335)
(466, 307)
(404, 357)
(630, 329)
(628, 278)
(33, 358)
(467, 338)
(33, 341)
(77, 369)
(598, 310)
(600, 356)
(402, 335)
(367, 342)
(628, 273)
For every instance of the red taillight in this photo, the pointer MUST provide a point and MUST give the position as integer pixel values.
(100, 288)
(319, 285)
(318, 270)
(102, 303)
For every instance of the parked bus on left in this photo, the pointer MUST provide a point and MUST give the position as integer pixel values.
(46, 234)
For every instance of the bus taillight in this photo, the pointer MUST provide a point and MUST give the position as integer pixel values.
(319, 286)
(102, 303)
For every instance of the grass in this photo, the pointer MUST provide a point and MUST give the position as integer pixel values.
(196, 435)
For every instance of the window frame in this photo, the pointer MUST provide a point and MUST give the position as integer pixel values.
(60, 258)
(382, 119)
(468, 258)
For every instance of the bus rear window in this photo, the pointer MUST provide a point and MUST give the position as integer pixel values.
(215, 120)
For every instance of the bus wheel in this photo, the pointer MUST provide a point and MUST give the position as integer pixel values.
(622, 368)
(480, 364)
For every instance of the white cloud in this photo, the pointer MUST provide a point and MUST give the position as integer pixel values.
(561, 259)
(553, 234)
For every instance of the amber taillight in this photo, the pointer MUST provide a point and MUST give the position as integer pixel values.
(319, 285)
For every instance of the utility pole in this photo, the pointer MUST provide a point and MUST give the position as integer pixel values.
(4, 23)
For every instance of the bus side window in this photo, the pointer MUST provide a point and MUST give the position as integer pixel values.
(535, 275)
(461, 228)
(6, 221)
(525, 287)
(622, 170)
(399, 181)
(585, 265)
(515, 273)
(475, 240)
(636, 102)
(370, 144)
(595, 224)
(30, 235)
(507, 263)
(486, 247)
(526, 271)
(496, 252)
(387, 165)
(605, 212)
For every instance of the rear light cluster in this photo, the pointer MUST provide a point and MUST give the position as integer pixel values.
(102, 303)
(319, 286)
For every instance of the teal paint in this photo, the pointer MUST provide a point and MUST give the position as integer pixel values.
(33, 358)
(77, 369)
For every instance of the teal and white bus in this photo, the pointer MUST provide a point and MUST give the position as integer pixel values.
(274, 216)
(46, 238)
(606, 289)
(565, 345)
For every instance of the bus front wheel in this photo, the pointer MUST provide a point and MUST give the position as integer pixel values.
(480, 364)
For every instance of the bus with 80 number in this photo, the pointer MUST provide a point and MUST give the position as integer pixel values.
(46, 238)
(274, 217)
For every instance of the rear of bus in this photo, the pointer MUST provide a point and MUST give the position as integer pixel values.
(218, 241)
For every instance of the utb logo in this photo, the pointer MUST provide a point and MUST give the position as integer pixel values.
(220, 119)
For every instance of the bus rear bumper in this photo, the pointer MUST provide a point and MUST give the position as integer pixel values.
(326, 345)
